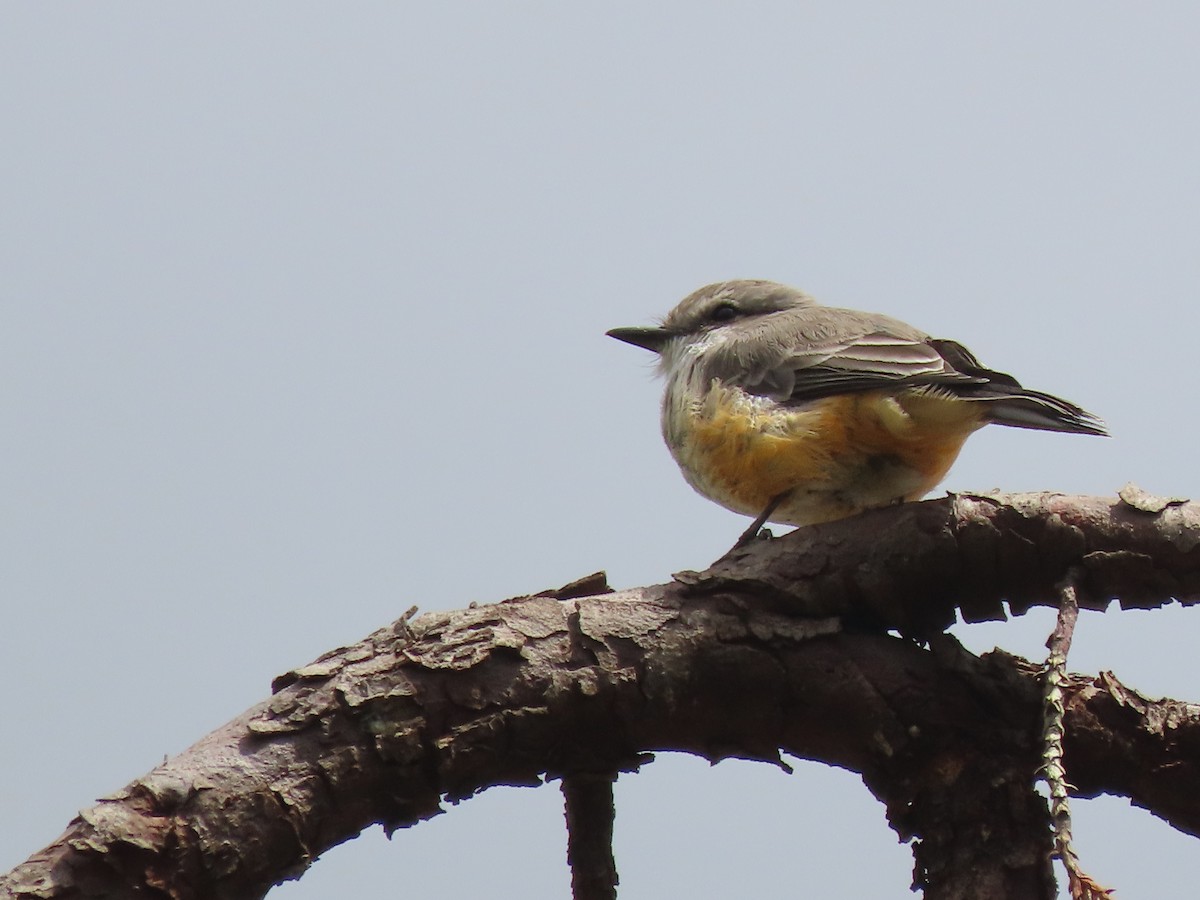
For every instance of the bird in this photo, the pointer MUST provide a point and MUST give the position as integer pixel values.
(792, 412)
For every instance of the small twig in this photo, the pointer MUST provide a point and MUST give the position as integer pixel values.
(1080, 885)
(590, 812)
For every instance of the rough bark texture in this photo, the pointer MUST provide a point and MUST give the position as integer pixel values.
(781, 646)
(589, 810)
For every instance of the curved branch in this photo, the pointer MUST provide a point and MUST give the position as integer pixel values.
(766, 651)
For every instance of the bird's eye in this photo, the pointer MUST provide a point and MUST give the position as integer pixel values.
(724, 312)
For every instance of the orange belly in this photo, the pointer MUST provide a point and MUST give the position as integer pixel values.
(833, 457)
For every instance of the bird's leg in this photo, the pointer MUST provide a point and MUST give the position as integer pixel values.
(756, 526)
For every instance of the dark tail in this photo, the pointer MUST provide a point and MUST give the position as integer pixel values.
(1033, 409)
(1011, 404)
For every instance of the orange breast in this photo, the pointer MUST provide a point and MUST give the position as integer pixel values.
(836, 456)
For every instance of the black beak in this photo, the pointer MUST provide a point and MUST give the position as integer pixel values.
(650, 337)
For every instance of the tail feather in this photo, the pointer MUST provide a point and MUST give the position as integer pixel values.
(1044, 412)
(1011, 404)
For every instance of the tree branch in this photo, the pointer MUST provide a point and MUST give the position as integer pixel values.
(589, 811)
(779, 647)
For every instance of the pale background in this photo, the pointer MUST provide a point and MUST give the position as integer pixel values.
(302, 324)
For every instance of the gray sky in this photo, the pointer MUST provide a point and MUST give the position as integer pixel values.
(303, 311)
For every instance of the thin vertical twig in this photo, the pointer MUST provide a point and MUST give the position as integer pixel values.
(1080, 885)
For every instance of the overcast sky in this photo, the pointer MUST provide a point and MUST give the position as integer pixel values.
(302, 324)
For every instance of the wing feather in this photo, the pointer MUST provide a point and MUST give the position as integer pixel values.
(804, 354)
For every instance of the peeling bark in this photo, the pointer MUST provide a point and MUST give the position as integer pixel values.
(781, 646)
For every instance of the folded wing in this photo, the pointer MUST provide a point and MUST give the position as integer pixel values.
(823, 352)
